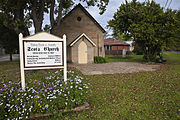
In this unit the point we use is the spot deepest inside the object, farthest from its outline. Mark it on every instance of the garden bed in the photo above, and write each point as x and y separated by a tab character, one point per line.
45	93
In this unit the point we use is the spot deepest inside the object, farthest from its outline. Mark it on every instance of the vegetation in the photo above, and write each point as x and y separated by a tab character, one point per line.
8	38
21	14
145	95
169	56
173	58
176	44
129	58
48	94
148	24
98	59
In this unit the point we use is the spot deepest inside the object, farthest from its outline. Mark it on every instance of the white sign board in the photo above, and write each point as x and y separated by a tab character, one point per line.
42	51
43	54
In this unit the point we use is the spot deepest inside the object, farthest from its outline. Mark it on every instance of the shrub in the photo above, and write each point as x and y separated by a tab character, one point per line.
42	96
98	59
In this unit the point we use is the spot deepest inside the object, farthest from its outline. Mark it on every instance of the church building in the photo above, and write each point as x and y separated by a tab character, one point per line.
84	36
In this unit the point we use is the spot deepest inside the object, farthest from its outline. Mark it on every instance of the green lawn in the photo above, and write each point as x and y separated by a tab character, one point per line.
118	58
169	56
145	95
4	55
172	57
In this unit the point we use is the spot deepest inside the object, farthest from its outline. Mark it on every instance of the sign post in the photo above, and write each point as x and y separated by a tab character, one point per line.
21	61
42	51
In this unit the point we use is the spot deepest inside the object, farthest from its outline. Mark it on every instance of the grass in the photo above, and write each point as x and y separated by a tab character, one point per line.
172	57
169	56
4	55
118	58
145	95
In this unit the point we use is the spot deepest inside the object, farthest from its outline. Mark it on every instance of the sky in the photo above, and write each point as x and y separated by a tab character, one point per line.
112	8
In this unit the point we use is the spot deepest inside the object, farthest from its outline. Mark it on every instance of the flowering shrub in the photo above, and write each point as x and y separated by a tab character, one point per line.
48	95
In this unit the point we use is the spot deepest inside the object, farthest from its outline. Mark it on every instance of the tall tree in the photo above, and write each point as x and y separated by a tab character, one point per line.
176	45
37	9
14	15
20	13
8	38
57	9
146	23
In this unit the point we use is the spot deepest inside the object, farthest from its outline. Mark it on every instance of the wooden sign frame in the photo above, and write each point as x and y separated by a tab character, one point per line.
41	39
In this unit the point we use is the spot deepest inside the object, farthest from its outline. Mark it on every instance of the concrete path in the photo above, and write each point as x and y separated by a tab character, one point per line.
6	58
113	68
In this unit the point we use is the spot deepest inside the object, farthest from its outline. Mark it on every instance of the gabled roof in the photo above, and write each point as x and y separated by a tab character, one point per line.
42	35
87	13
79	37
112	41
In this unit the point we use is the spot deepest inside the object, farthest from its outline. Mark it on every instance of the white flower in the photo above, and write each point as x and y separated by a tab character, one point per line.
20	117
53	97
46	106
8	105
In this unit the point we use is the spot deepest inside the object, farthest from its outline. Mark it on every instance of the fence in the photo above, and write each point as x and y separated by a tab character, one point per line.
115	52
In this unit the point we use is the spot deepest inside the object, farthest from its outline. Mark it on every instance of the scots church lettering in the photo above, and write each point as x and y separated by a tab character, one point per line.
33	49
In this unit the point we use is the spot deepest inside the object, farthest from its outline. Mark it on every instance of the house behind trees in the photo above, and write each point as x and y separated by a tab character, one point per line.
115	47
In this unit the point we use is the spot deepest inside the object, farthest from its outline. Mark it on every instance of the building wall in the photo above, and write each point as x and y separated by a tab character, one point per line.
116	50
117	47
120	48
73	28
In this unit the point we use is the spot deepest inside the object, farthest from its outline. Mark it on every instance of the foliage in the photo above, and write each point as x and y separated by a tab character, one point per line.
47	28
122	37
14	15
150	27
20	14
137	50
48	95
98	59
8	38
176	43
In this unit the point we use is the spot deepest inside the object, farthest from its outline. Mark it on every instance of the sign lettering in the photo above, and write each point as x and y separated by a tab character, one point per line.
43	54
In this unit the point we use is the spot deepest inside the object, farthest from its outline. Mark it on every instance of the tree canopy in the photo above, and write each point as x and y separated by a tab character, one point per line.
8	38
21	14
147	23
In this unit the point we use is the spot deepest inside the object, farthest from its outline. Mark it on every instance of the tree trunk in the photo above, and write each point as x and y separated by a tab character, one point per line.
55	24
19	25
10	56
52	14
37	14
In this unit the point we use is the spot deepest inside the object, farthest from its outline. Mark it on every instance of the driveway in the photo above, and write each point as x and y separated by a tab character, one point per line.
114	67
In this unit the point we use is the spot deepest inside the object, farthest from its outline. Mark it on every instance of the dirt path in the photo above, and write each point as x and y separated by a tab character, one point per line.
113	68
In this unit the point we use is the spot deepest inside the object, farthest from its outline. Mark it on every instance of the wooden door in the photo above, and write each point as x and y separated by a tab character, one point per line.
82	53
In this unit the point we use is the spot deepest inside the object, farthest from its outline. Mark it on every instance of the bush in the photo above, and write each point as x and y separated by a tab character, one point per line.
42	96
98	59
